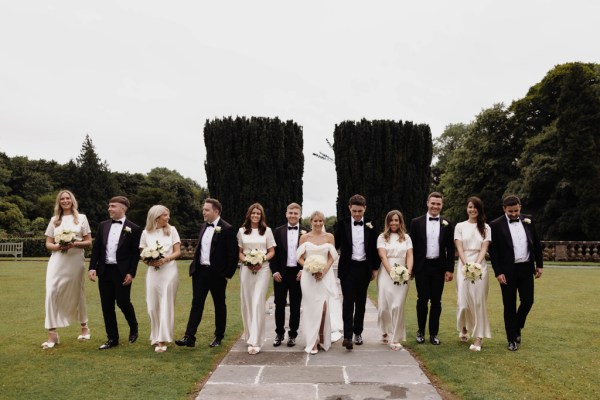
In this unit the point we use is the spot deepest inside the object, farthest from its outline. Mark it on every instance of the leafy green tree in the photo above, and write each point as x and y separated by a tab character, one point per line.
388	162
94	184
482	165
254	160
11	218
560	164
444	147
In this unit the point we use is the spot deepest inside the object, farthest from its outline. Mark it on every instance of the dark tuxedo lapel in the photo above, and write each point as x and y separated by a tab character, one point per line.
423	233
213	242
105	232
527	233
284	240
123	233
443	233
199	245
348	229
506	232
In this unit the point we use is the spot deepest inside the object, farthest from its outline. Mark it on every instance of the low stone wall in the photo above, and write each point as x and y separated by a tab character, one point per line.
571	251
553	250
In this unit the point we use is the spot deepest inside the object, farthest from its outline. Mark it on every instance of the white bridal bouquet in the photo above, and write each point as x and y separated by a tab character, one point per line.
472	271
399	274
253	259
153	253
314	264
64	238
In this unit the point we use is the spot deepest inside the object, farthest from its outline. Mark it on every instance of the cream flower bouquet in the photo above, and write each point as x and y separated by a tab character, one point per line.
472	271
399	274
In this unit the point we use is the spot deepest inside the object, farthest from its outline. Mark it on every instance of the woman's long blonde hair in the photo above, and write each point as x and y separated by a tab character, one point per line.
58	211
153	214
401	231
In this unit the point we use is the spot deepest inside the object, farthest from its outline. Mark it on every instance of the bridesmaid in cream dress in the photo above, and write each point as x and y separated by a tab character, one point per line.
394	247
319	290
255	279
65	290
162	277
472	239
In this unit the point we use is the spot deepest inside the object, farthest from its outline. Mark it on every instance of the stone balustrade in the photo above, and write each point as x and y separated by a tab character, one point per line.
553	250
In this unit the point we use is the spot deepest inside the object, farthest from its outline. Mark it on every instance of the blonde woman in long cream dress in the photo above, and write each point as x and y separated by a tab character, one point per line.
65	289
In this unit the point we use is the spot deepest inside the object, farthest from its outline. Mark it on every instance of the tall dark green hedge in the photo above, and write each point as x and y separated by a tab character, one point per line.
388	162
254	160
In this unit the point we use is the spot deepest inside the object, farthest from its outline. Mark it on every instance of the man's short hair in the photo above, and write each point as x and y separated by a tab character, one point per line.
511	200
216	204
357	200
293	206
435	194
120	199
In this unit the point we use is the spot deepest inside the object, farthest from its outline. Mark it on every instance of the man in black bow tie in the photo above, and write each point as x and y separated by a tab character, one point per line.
357	266
517	258
215	261
433	249
286	275
114	260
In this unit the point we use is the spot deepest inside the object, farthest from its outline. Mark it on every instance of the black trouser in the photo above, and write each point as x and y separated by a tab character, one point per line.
354	288
281	289
205	280
430	285
519	278
110	285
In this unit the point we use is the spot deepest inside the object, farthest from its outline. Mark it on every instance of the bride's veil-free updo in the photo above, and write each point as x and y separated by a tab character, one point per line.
317	214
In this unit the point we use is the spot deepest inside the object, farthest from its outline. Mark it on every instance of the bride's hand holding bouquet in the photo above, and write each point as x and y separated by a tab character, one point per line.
315	265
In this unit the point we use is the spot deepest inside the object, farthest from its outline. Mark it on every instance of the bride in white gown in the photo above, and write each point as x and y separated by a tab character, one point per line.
321	303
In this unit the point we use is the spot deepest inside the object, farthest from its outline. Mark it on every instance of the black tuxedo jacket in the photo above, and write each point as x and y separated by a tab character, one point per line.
343	241
418	234
223	249
502	252
128	251
279	262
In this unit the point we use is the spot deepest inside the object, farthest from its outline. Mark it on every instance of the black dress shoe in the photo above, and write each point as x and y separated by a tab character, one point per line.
420	337
215	343
291	342
277	341
513	346
358	340
133	336
347	343
110	343
434	340
186	341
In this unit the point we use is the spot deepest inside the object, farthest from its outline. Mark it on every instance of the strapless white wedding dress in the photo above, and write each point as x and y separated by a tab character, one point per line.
317	293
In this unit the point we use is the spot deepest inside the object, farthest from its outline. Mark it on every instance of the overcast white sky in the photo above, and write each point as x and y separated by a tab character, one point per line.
142	77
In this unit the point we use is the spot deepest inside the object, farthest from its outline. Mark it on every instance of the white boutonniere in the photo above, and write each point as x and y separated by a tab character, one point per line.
302	232
444	222
217	229
526	220
369	225
127	229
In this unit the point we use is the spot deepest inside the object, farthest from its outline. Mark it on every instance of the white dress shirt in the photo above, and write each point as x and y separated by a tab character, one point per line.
206	242
433	237
113	241
292	245
358	241
519	239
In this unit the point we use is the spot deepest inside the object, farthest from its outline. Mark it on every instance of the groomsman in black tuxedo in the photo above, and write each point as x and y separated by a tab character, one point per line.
215	261
358	264
286	275
114	260
516	256
433	248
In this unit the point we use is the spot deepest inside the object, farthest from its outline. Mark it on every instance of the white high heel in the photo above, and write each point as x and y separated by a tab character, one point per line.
160	349
49	344
87	336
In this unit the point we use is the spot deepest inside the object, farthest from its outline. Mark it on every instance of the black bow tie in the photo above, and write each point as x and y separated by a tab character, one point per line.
358	223
114	221
292	227
210	224
434	218
514	220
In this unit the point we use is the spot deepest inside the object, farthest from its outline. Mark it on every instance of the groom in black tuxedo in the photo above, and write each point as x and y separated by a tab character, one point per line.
286	275
433	248
358	264
215	261
516	256
114	260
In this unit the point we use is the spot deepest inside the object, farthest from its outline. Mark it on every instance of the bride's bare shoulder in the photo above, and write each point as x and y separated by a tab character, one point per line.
330	238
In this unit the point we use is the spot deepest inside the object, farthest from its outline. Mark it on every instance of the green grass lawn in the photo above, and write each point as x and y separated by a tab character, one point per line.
559	355
78	370
558	358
